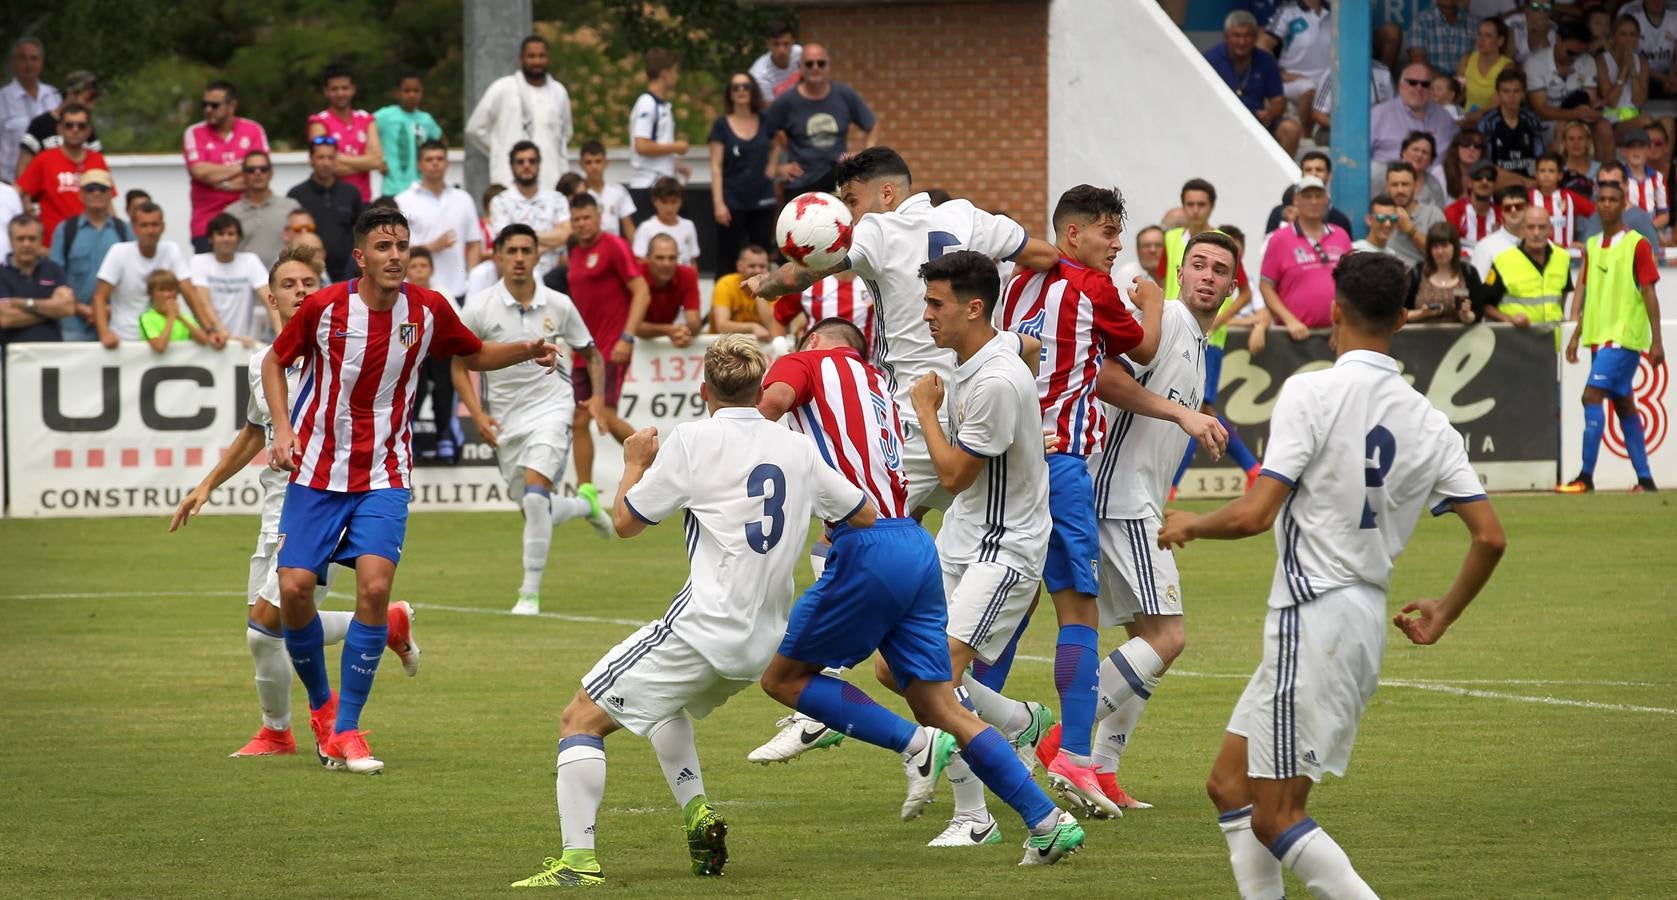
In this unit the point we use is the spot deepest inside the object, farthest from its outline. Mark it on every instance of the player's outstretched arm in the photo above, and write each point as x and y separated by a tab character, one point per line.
243	449
1253	513
1116	386
499	355
790	278
1431	618
639	451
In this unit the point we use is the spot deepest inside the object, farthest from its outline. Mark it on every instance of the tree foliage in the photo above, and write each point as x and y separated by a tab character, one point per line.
153	57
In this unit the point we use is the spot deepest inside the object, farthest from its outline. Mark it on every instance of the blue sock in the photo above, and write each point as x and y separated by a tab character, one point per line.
307	649
1237	448
1187	457
1636	444
992	759
363	648
1076	673
994	675
843	707
1595	422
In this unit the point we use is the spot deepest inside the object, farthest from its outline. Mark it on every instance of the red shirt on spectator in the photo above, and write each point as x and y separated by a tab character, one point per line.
1472	226
53	181
201	143
352	141
681	292
599	283
1565	208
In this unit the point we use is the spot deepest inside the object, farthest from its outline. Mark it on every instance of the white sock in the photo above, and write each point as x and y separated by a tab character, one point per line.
565	509
678	755
1317	860
273	677
922	736
335	624
1113	733
538	534
580	786
1143	667
1008	715
1257	873
969	791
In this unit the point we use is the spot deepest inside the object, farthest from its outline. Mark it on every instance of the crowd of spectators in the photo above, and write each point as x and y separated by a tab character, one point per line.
95	272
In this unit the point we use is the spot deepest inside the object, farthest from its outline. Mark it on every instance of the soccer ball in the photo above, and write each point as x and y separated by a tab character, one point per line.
814	229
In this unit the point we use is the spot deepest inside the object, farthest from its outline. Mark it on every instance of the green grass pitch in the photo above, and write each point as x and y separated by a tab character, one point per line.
1531	754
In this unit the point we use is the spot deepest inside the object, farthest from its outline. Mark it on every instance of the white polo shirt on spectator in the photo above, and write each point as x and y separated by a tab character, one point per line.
430	216
651	117
686	237
234	288
125	270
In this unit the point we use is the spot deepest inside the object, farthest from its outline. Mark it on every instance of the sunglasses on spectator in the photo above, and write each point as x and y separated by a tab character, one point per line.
74	126
1540	6
96	188
1484	176
527	161
815	64
1386	218
320	139
258	170
213	104
1513	207
1417	82
740	86
306	226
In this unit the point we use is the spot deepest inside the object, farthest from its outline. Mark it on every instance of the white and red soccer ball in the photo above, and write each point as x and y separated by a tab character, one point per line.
814	229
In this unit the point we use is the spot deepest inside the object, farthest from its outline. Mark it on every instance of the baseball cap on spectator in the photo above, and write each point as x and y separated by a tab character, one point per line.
1634	136
97	176
80	80
1310	182
1483	170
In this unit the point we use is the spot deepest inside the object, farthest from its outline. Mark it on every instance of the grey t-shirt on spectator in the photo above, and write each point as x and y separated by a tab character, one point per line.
1424	215
817	131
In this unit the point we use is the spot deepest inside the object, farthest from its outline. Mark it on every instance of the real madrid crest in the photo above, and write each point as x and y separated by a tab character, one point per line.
1171	598
593	259
408	333
547	324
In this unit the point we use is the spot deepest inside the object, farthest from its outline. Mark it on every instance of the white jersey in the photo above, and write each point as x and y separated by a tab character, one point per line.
1132	474
747	518
1362	451
887	250
991	412
256	413
527	395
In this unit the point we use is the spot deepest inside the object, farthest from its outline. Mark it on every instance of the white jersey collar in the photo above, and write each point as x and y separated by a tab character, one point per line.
993	347
1367	357
536	302
737	412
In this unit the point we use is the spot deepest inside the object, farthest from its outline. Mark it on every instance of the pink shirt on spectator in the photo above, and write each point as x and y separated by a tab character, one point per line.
202	144
1302	271
352	141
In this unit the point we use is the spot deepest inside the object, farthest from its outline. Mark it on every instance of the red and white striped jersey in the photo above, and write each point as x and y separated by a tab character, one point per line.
828	298
1077	314
360	370
843	405
1565	208
1647	190
1470	224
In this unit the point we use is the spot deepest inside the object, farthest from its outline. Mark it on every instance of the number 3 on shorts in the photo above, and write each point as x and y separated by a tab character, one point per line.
774	506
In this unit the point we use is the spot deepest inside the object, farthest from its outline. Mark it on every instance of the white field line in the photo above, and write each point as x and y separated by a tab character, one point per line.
1447	686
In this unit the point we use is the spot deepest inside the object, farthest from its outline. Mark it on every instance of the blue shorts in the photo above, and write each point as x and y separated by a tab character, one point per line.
1213	372
882	590
1613	370
1074	544
318	528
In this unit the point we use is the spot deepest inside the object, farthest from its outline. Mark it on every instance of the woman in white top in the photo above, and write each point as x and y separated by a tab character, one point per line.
1622	75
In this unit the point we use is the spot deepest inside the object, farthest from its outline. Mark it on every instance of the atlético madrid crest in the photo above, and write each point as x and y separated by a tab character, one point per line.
408	333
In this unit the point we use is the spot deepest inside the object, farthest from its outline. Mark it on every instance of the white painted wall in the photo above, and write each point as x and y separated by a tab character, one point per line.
1132	103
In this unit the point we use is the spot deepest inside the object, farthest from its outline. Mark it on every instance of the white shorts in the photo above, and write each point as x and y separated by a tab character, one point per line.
1135	575
987	601
546	452
1321	664
924	489
263	582
1295	89
652	676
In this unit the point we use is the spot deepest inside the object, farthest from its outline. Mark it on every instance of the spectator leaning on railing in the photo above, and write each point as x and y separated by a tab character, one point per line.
1297	274
1443	287
121	295
731	308
34	297
1529	281
673	310
79	246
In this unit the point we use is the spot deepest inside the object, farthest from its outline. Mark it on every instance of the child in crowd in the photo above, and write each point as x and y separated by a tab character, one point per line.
617	209
420	267
666	199
167	320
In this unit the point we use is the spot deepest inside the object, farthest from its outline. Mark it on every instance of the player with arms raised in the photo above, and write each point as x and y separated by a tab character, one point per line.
295	275
746	515
1355	453
531	428
348	448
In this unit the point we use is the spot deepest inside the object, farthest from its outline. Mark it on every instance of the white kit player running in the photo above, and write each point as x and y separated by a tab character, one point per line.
1157	410
1355	454
746	516
295	275
984	440
528	421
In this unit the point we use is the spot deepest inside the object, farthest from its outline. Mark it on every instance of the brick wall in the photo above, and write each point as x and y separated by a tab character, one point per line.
961	90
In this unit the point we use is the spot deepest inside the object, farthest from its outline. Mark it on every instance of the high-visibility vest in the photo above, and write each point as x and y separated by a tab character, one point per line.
1535	293
1614	311
1176	246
